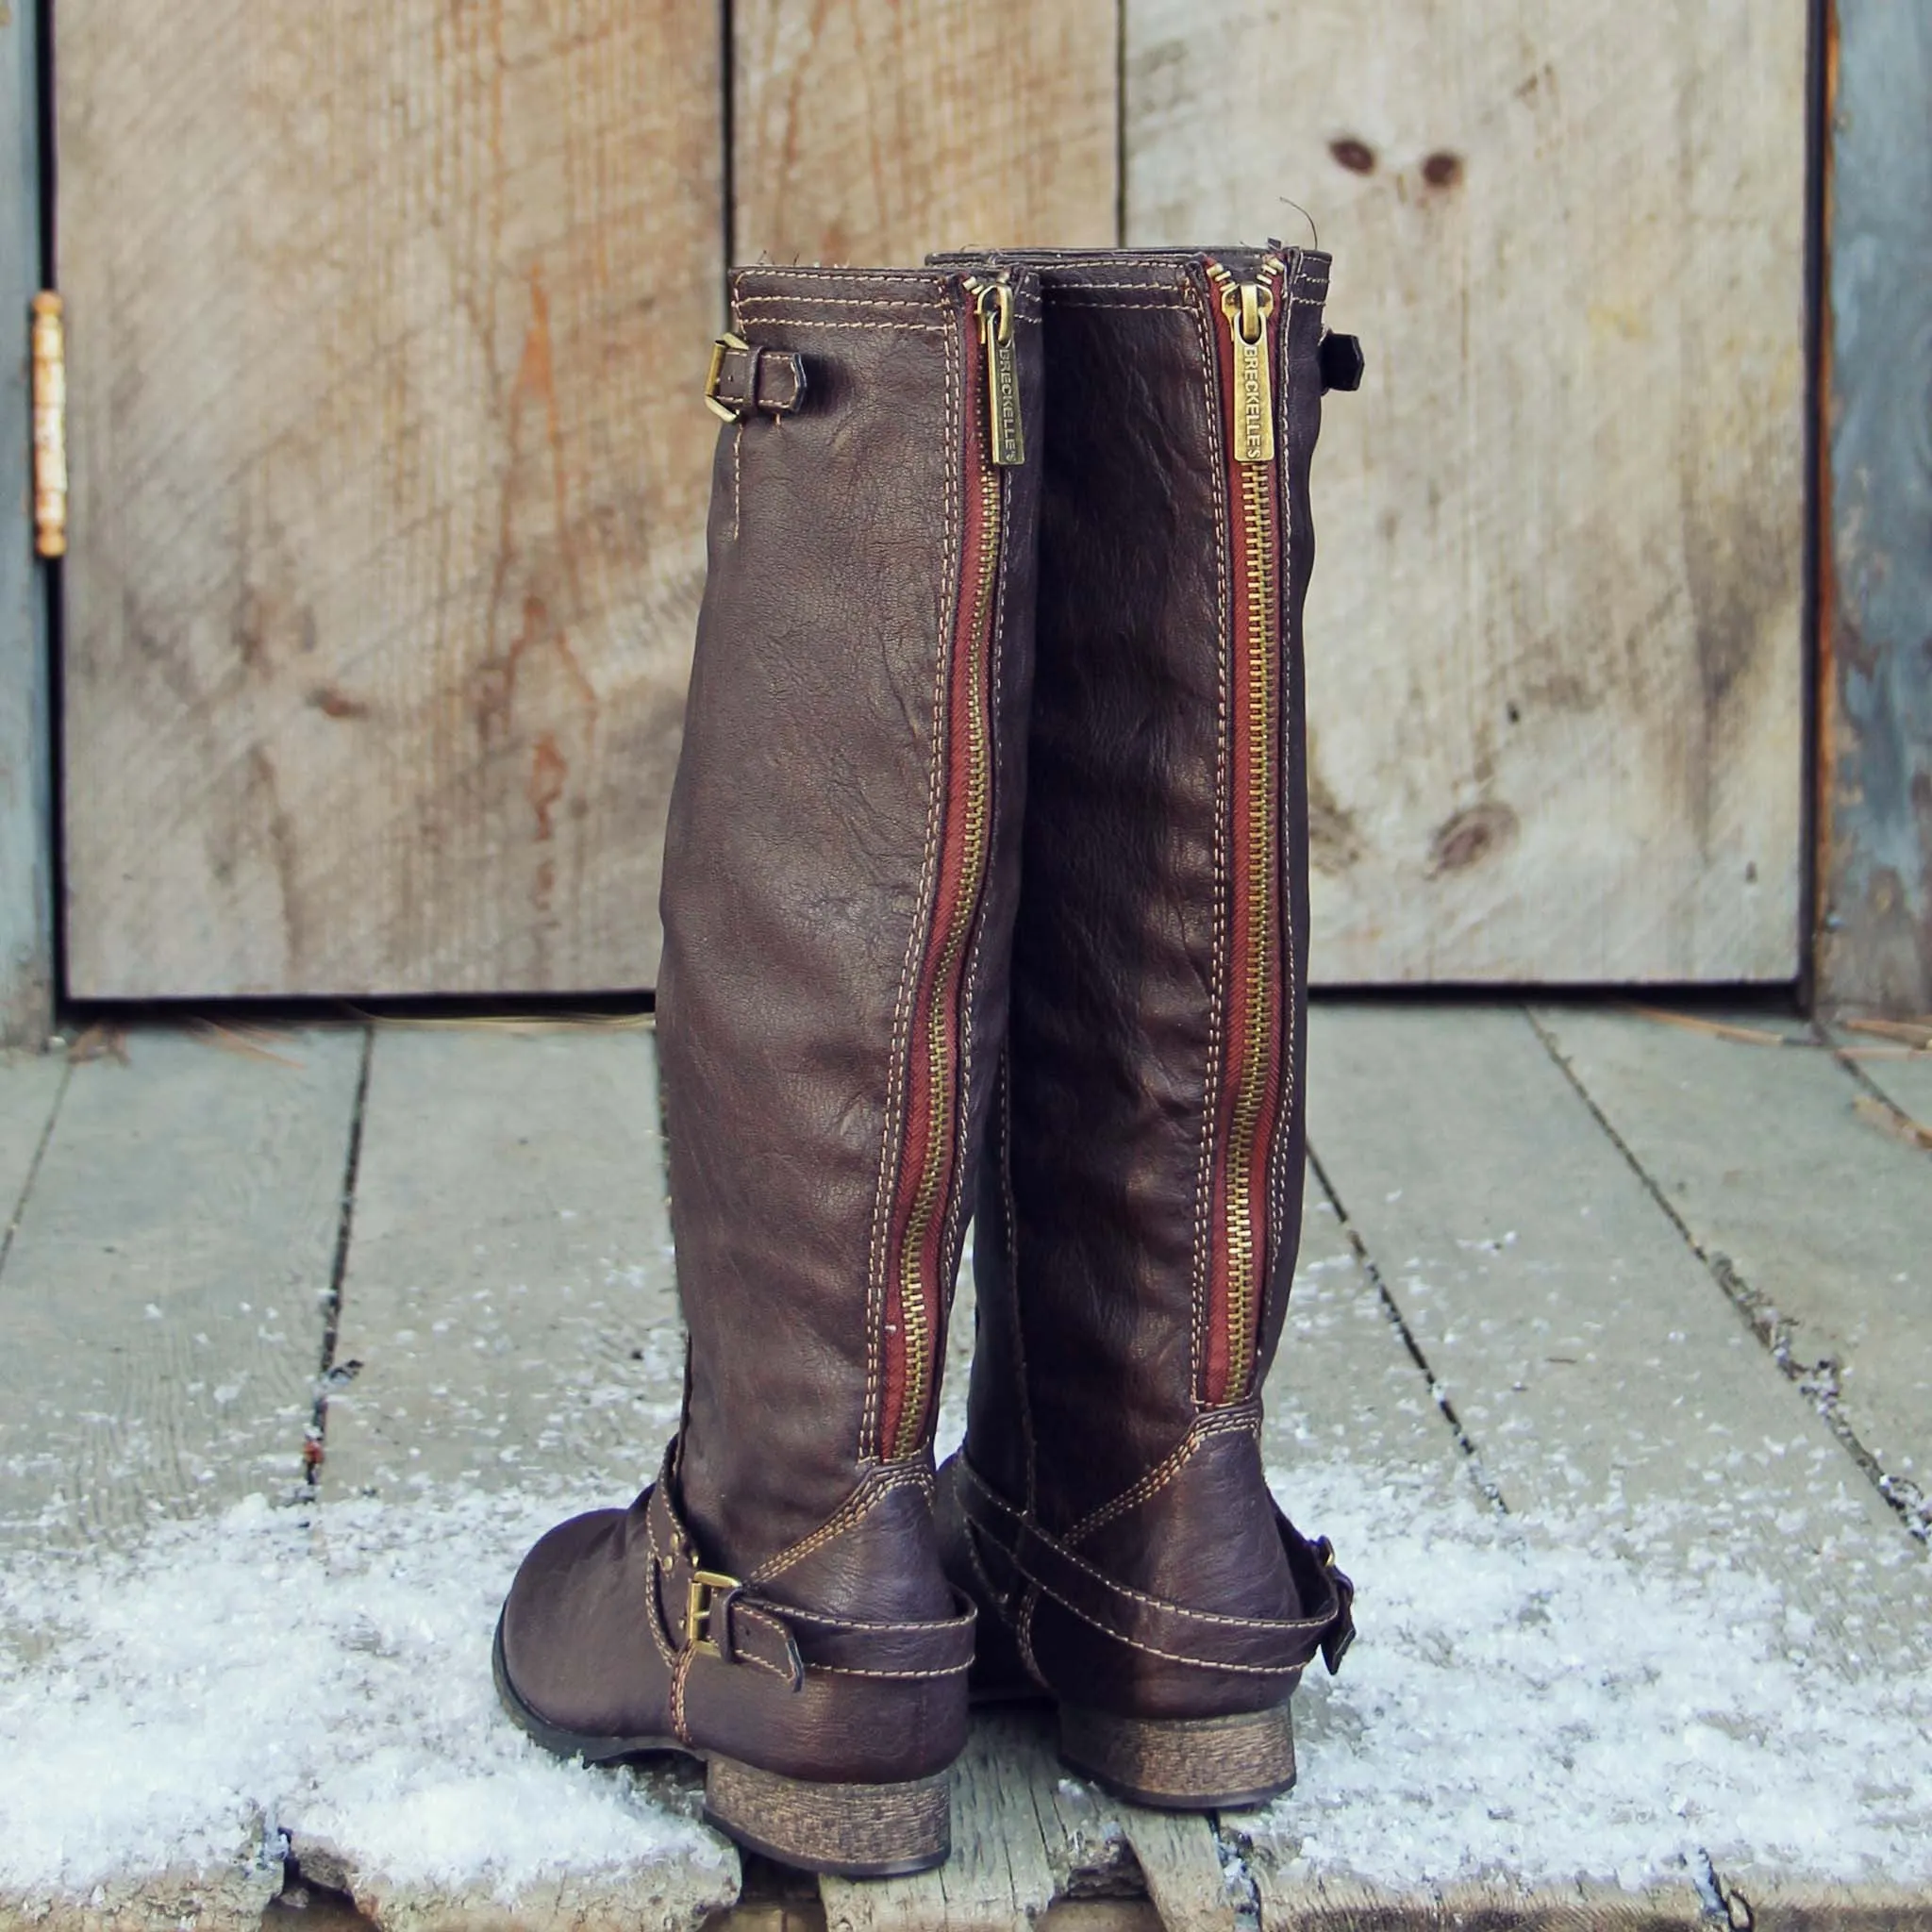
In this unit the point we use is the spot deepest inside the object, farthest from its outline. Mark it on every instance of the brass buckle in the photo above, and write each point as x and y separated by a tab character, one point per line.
724	411
707	1585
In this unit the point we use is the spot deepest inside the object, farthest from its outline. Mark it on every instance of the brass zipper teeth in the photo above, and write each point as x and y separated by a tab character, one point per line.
942	1018
1247	309
1243	1236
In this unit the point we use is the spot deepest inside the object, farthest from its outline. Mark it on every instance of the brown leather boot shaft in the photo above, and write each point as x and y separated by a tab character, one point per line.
1139	1219
840	875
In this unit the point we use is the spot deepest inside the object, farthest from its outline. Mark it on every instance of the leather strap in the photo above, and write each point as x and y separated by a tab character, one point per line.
751	377
1262	1645
1341	362
738	1625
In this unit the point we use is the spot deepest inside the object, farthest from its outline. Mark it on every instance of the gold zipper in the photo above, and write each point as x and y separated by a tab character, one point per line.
1005	446
1247	307
1005	437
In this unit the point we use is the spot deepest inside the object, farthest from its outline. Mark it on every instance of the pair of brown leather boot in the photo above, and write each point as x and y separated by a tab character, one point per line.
984	893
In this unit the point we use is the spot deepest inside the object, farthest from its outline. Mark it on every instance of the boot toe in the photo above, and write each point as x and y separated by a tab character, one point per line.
575	1647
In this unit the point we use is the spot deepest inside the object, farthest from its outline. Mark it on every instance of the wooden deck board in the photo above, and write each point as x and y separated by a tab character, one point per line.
162	1310
1907	1083
509	1295
510	1298
1599	1368
1822	1226
30	1087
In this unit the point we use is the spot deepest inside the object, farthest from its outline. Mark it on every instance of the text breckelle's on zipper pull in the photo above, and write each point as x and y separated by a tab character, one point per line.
1005	434
1247	306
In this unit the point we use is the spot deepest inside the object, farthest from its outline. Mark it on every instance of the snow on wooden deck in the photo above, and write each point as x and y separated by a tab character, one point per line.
1606	1370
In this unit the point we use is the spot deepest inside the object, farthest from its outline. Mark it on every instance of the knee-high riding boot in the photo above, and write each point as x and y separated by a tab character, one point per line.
1139	1213
839	881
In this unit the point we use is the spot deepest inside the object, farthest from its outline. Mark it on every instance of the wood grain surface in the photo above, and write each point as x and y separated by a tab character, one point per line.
1875	943
1822	1224
1596	1364
1555	679
875	130
386	325
164	1302
509	1310
26	831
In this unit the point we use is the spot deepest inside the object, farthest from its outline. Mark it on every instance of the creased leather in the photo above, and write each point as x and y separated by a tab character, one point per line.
797	883
1085	1419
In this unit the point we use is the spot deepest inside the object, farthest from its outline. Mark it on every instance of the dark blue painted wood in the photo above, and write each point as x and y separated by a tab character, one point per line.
1875	893
26	740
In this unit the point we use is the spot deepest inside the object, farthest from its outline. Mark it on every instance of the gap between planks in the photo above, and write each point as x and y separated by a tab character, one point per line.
1803	1094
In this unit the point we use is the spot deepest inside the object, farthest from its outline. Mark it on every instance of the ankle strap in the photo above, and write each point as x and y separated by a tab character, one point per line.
1258	1646
697	1607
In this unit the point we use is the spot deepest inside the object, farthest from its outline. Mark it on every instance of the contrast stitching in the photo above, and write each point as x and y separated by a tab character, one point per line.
994	1594
852	1511
858	1627
655	1618
1176	307
1023	1633
737	475
922	328
903	1676
751	1657
1175	1656
910	278
1155	1603
753	1614
969	990
680	1676
894	1139
1277	1179
934	307
1202	1259
1220	1422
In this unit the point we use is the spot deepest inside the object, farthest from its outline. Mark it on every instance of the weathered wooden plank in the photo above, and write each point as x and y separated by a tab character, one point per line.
386	322
1340	1904
1344	1390
999	1878
162	1309
1875	896
1774	1907
1603	1373
1907	1083
509	1312
668	1895
26	825
1555	666
872	130
30	1087
1820	1228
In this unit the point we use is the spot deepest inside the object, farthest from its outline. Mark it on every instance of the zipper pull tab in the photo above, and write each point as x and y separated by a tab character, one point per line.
1005	437
1247	306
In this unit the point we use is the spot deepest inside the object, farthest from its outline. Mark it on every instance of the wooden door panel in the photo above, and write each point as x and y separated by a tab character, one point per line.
876	130
386	323
1555	668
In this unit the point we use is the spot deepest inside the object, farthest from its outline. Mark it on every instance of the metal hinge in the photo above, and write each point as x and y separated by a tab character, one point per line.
50	426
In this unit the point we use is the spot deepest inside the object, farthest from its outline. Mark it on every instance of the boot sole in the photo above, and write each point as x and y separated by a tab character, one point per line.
848	1830
1183	1764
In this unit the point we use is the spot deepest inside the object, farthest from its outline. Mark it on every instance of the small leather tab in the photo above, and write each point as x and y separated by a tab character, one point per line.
751	377
1341	362
938	1649
1318	1581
